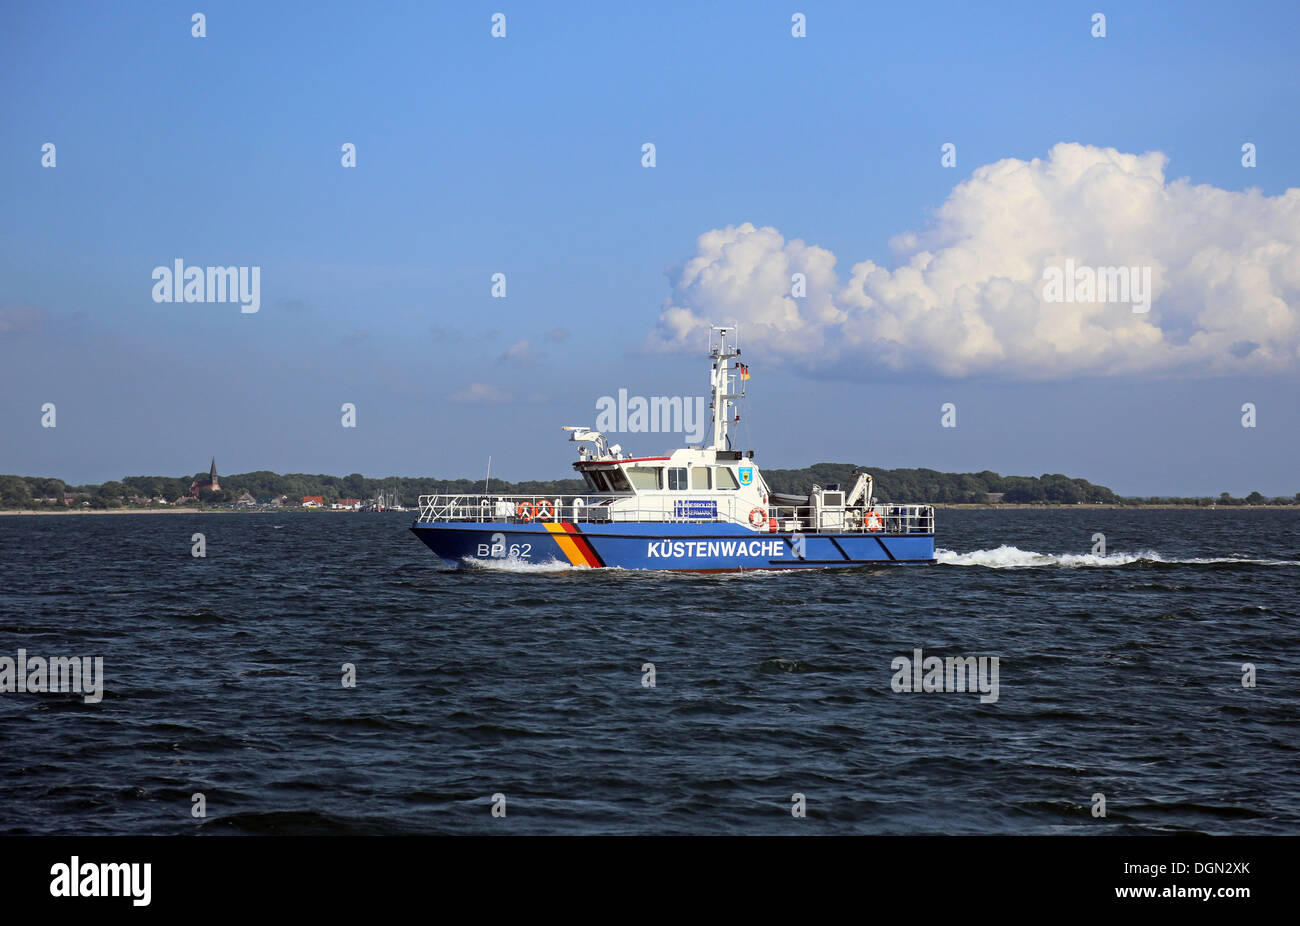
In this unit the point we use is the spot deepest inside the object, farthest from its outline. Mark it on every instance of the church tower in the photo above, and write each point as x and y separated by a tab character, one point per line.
216	486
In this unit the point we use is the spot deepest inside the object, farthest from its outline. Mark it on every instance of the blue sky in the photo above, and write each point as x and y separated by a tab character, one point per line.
522	156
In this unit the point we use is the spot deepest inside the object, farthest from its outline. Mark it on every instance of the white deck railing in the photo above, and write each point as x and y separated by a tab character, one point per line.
678	509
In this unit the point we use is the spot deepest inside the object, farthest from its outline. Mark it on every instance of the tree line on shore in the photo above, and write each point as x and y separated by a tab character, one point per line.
916	486
930	487
263	487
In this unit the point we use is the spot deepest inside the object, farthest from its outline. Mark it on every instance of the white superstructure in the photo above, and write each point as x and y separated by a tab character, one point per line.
711	483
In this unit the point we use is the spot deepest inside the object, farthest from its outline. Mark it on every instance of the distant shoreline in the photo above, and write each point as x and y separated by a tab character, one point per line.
27	512
942	507
1111	507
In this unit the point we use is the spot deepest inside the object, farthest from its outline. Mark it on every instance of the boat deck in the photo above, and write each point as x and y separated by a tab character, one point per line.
666	509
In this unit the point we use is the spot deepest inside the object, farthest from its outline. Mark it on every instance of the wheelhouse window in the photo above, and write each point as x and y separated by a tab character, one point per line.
677	478
592	481
617	481
645	478
700	477
726	478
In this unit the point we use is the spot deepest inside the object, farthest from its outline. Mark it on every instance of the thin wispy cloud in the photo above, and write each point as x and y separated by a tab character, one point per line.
517	353
21	319
480	394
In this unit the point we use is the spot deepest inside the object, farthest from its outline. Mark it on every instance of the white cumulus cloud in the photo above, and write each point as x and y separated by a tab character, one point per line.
967	294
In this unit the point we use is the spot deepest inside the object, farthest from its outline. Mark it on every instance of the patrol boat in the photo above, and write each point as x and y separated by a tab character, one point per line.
698	509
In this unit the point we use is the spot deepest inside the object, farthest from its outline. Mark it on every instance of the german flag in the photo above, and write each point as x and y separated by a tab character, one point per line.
576	547
744	370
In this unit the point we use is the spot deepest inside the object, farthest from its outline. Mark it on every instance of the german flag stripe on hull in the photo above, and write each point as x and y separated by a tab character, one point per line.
573	545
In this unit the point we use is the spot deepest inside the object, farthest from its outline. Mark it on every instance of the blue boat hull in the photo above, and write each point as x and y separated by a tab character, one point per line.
689	547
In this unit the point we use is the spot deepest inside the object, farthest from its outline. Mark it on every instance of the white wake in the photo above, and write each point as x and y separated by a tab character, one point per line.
1006	557
514	564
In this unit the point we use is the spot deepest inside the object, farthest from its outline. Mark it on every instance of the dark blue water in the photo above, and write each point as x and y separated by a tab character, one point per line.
1119	675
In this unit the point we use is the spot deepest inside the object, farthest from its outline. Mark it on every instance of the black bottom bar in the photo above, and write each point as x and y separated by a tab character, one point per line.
934	877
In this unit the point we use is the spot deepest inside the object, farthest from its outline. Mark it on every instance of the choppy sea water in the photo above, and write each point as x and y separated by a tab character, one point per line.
1118	674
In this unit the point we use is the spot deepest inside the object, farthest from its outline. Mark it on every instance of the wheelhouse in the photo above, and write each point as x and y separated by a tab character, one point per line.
672	474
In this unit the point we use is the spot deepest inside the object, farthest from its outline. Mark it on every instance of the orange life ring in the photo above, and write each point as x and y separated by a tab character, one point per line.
526	511
549	511
758	517
872	521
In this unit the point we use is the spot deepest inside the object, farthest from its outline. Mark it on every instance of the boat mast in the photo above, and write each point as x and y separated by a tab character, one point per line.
720	381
